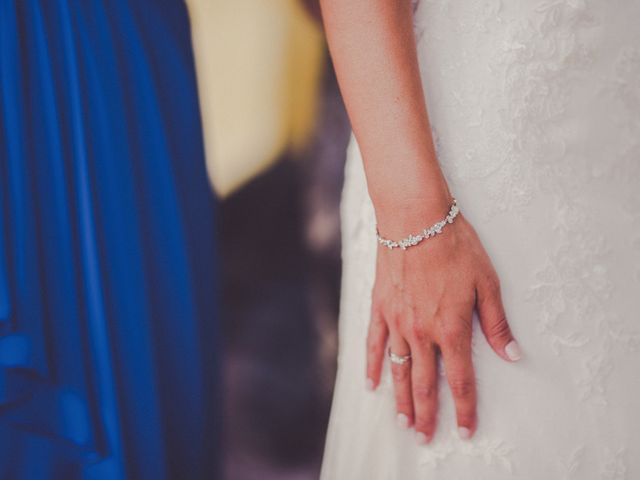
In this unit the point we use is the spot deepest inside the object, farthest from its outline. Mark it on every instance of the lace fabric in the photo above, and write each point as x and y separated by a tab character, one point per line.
535	113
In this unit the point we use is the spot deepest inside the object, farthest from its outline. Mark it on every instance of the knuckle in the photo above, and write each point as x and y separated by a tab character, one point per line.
376	312
424	392
495	283
376	307
376	323
450	337
402	318
492	285
500	329
462	388
394	319
418	330
454	336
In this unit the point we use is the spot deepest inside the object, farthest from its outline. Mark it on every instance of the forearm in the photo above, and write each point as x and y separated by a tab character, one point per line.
373	49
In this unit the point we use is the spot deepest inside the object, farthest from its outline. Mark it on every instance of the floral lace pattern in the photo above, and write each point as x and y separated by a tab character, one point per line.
535	113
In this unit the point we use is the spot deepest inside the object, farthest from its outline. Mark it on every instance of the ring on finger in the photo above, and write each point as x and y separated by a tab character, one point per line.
398	359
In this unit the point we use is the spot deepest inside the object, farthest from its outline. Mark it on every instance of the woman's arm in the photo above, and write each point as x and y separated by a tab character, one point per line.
373	51
423	297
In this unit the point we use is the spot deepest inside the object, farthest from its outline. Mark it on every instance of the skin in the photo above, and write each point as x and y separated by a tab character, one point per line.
423	297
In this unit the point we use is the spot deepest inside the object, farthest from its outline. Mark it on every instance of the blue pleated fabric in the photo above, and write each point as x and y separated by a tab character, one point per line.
108	366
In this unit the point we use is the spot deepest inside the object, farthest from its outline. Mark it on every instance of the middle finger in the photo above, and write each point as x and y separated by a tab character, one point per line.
424	380
456	355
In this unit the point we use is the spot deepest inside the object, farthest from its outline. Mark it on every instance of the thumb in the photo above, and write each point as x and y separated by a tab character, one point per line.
493	320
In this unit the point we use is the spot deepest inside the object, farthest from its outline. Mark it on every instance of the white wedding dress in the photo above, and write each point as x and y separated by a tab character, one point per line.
535	112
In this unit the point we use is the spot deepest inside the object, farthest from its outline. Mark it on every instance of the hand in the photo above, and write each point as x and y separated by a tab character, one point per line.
422	303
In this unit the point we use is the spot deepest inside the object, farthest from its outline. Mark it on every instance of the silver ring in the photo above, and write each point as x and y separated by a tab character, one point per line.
398	359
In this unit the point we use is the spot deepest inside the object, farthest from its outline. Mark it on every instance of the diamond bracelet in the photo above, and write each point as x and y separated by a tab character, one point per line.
432	231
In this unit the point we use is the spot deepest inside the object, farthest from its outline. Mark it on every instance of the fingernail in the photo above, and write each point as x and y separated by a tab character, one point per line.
422	439
403	420
513	350
370	384
464	433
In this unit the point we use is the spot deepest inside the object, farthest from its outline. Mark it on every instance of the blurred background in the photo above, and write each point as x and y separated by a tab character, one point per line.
275	135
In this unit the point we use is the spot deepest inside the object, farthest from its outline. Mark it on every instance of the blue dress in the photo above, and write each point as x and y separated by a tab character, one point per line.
107	289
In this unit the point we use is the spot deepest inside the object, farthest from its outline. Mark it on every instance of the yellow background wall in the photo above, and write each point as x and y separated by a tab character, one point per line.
258	64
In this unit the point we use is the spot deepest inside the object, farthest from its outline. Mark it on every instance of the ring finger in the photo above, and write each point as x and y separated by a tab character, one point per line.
401	374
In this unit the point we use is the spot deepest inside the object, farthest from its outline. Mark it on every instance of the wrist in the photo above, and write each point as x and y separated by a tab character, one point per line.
401	215
415	238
